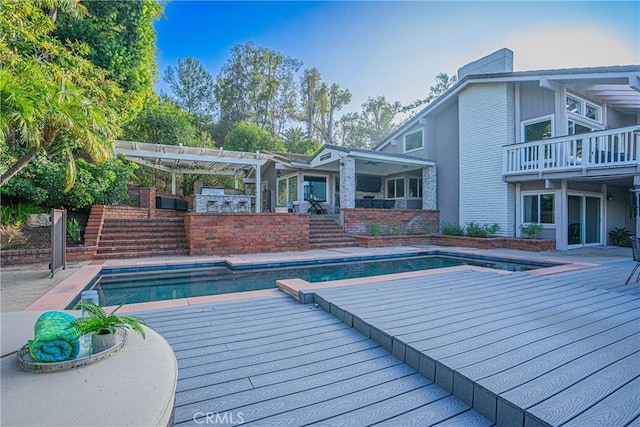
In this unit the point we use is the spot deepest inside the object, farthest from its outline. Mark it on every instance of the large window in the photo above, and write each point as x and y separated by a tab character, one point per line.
413	141
315	187
583	108
395	188
287	190
537	129
538	208
415	187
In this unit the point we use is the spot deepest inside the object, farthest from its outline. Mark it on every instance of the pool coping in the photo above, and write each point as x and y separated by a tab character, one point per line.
63	294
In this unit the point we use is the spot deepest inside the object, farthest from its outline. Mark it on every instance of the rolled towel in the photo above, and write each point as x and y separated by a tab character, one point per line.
53	340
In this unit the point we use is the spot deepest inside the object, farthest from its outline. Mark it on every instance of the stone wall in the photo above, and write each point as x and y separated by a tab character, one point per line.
409	221
244	233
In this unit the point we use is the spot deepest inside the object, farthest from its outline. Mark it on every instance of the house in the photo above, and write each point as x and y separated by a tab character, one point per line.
556	147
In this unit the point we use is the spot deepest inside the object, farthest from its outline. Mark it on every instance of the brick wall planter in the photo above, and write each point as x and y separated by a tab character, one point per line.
244	233
396	240
40	256
531	245
356	220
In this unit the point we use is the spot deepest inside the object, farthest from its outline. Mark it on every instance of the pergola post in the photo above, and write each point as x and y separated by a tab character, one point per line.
258	189
347	185
173	183
429	188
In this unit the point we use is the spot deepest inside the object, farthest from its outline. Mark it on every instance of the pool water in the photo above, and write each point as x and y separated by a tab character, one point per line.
144	285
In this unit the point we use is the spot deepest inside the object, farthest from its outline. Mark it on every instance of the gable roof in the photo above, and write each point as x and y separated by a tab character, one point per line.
626	75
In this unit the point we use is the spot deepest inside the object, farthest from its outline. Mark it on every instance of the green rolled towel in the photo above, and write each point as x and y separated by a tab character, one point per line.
53	340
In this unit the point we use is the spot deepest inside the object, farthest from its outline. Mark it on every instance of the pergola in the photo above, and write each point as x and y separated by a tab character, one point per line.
178	159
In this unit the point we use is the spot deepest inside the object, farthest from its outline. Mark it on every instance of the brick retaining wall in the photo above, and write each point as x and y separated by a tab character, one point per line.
42	256
244	233
410	221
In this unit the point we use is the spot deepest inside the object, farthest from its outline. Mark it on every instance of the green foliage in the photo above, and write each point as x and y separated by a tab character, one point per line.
41	180
257	85
451	229
374	229
99	322
531	230
163	122
73	230
392	229
121	40
473	229
17	214
52	98
619	236
192	87
250	138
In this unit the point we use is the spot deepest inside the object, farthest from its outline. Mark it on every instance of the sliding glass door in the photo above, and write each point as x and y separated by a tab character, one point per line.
585	220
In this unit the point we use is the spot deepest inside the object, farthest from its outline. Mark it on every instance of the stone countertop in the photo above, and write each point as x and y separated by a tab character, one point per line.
135	386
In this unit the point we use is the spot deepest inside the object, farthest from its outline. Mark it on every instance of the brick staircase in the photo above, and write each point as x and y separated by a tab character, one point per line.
324	232
137	238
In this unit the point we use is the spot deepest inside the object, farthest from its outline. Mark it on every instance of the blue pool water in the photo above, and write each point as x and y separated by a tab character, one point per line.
134	285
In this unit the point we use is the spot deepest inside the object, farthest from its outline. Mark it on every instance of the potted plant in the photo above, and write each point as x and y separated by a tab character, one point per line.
104	326
620	236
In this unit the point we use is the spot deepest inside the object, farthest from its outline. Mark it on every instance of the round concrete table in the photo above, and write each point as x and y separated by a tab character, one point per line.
135	387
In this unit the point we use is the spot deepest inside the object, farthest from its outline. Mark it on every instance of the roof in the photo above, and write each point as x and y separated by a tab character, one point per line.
190	160
624	87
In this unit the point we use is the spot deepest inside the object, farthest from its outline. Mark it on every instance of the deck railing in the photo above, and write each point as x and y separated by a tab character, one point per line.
606	148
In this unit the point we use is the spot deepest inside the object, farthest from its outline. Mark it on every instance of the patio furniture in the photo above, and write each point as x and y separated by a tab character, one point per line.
316	206
635	247
377	203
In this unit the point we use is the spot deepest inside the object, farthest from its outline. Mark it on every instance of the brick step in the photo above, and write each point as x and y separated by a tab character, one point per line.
326	229
145	240
333	240
128	228
137	234
143	223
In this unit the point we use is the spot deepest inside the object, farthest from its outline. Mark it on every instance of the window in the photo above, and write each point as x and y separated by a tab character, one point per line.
538	208
537	129
415	187
395	188
413	141
287	190
582	108
315	187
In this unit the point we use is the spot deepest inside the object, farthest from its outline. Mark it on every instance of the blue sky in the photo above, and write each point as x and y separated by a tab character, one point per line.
397	48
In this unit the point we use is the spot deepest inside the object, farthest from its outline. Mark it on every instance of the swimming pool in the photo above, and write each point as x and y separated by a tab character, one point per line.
145	284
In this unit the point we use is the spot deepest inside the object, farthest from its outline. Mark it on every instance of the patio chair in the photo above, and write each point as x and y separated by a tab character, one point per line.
635	247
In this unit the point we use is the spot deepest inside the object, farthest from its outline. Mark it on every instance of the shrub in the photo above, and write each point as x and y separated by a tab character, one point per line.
451	229
474	229
374	229
619	236
531	230
17	214
391	229
492	229
73	230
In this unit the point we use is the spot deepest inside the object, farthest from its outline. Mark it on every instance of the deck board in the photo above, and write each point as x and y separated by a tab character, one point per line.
507	344
278	362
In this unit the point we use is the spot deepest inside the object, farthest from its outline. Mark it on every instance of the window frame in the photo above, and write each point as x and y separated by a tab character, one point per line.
582	115
326	184
538	195
286	179
404	141
395	188
419	187
536	120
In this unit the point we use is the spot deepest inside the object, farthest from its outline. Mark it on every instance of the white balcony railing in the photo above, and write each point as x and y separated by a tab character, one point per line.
601	149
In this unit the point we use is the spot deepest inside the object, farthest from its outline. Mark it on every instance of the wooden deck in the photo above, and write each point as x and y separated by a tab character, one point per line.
466	348
521	349
273	361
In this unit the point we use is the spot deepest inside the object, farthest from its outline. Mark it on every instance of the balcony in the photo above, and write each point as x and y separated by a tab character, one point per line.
611	152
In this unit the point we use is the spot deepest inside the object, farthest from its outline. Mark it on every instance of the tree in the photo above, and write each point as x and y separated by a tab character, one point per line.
295	142
121	38
257	85
163	122
309	88
192	87
377	118
443	83
332	99
250	138
350	132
